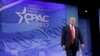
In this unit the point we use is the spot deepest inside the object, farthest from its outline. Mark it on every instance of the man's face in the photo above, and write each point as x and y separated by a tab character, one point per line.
72	21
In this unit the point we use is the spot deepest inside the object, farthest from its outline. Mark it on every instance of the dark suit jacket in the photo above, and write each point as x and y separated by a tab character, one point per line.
66	37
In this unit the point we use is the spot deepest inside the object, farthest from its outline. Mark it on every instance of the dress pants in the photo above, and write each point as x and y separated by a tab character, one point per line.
72	50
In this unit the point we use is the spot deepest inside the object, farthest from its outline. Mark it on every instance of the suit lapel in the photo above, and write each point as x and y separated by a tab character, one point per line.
68	29
75	31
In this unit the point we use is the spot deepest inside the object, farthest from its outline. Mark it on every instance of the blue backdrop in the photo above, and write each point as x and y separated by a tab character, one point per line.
33	28
84	25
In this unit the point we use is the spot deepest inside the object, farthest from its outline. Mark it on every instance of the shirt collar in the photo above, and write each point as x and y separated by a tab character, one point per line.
71	25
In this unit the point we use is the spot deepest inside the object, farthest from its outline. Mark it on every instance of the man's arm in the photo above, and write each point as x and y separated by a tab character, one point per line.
81	38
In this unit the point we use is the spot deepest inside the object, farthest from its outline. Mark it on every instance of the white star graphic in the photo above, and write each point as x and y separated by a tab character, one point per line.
21	15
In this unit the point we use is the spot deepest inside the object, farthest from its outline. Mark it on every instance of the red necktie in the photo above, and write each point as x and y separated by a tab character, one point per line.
72	33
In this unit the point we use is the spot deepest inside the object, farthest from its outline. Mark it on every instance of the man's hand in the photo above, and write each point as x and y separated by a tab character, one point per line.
83	45
63	46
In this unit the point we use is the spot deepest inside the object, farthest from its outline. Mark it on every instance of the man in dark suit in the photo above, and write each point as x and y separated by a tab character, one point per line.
71	36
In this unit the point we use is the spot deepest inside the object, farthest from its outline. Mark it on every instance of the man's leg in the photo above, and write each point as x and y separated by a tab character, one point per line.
69	52
73	50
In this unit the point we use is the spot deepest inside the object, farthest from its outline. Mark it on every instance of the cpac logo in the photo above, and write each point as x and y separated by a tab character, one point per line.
27	17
